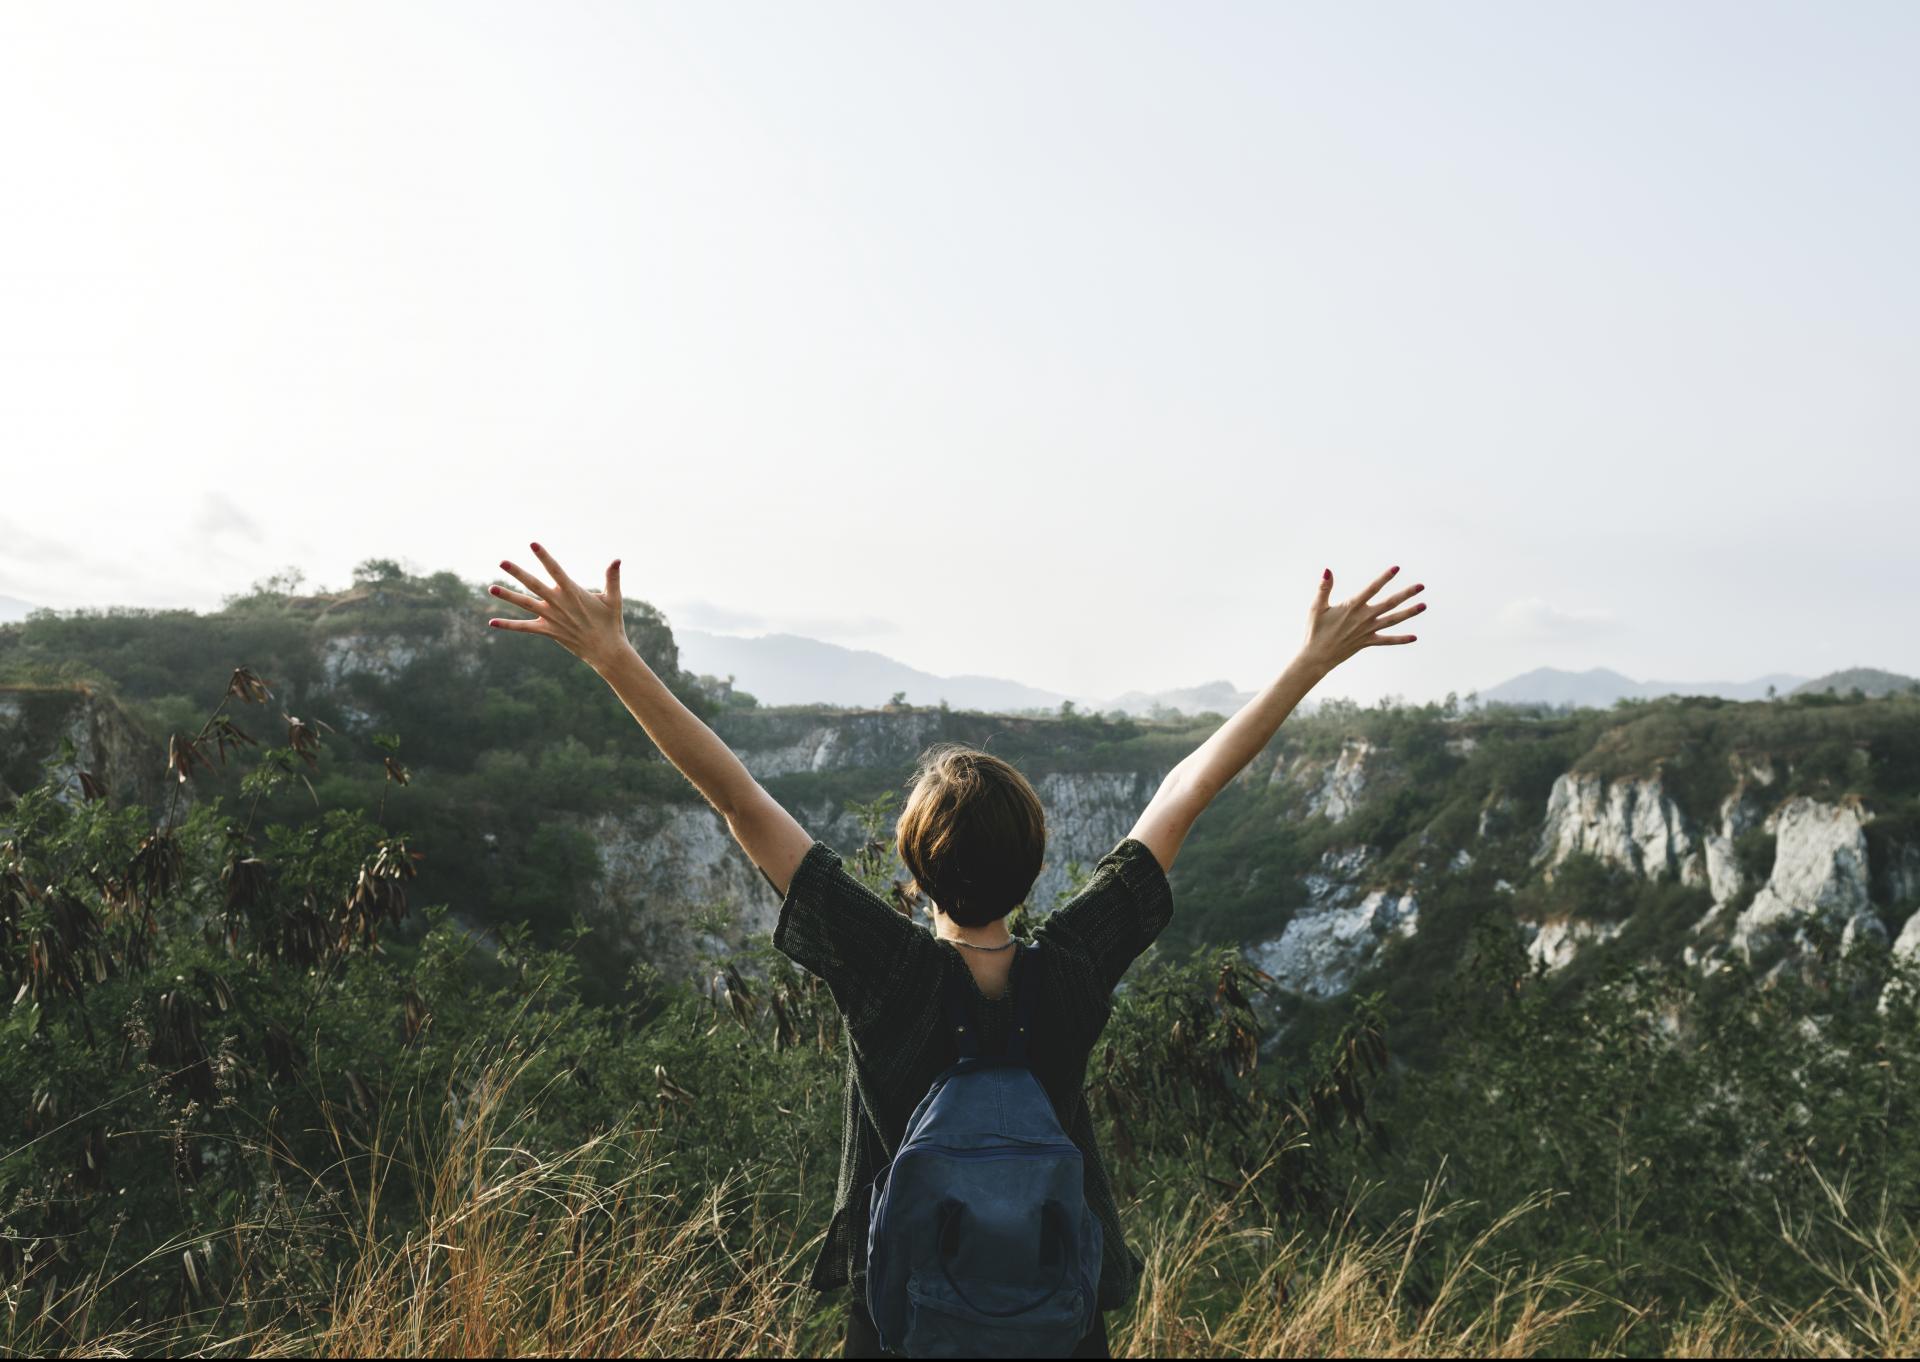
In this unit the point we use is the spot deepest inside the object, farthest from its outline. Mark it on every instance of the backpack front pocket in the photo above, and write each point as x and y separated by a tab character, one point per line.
992	1319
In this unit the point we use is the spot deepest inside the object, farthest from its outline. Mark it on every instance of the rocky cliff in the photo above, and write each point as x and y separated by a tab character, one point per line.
54	732
1356	852
676	885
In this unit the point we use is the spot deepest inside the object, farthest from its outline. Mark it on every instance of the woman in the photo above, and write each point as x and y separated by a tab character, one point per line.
972	834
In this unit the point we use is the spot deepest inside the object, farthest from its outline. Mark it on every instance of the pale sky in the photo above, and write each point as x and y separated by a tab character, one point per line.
1062	342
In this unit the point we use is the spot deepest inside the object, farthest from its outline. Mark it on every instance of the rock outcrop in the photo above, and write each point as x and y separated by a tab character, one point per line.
1340	928
1555	943
784	744
38	721
1906	946
453	641
1331	789
668	874
675	885
1630	823
1819	873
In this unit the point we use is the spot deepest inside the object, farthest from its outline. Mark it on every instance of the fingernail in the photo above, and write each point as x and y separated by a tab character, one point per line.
1421	606
1394	568
1326	574
503	562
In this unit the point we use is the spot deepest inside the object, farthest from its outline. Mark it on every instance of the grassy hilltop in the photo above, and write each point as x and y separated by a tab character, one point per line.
327	1029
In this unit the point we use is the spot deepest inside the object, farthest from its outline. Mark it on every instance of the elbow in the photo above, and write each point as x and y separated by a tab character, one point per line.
1188	786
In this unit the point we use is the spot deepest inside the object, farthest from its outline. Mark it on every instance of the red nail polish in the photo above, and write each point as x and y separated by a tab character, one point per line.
1394	568
1421	606
1326	574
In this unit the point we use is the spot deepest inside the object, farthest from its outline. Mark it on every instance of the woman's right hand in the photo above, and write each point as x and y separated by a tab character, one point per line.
1335	632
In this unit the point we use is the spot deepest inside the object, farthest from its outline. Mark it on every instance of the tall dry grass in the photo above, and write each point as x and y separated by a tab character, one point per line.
592	1253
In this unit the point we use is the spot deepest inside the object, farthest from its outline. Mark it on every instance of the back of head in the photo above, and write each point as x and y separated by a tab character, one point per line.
972	834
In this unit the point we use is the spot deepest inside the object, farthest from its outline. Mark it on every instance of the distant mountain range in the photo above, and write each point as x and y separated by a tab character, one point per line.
1600	688
787	669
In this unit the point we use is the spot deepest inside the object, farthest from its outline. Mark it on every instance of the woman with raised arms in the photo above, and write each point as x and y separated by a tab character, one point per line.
972	834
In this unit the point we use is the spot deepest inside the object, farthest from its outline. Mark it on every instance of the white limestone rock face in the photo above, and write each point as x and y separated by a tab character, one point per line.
1088	812
1906	953
1739	814
1556	943
782	745
1339	929
1630	823
1345	784
36	720
661	868
1906	946
1321	951
1819	871
1336	787
1496	818
455	641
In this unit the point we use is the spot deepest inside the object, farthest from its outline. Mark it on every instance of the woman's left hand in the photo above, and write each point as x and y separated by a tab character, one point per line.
585	623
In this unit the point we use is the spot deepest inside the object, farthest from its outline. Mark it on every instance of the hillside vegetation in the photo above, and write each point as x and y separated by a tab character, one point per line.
322	1035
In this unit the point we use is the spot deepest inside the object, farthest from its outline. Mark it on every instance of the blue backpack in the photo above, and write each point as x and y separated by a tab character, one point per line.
980	1241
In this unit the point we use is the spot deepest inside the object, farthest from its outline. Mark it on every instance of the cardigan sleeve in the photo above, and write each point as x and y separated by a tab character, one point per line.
866	952
1125	904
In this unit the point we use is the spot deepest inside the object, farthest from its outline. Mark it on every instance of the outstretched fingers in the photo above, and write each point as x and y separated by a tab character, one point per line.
532	583
1374	586
559	573
519	598
1399	598
521	626
1398	615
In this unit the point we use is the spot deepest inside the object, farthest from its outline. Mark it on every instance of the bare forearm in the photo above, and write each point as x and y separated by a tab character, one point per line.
1205	771
1209	767
676	730
1334	633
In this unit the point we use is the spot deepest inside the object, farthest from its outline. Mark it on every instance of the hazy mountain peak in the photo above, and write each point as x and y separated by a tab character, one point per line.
1601	687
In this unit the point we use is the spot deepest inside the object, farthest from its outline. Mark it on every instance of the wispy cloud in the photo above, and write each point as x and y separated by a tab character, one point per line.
1533	618
217	515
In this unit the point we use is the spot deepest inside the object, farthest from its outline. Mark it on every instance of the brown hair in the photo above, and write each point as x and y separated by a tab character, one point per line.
972	834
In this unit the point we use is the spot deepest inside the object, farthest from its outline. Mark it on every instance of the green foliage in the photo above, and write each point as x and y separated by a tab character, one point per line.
1680	1125
220	1003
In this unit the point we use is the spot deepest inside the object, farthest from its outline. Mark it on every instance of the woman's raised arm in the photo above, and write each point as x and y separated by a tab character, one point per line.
588	625
1334	634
